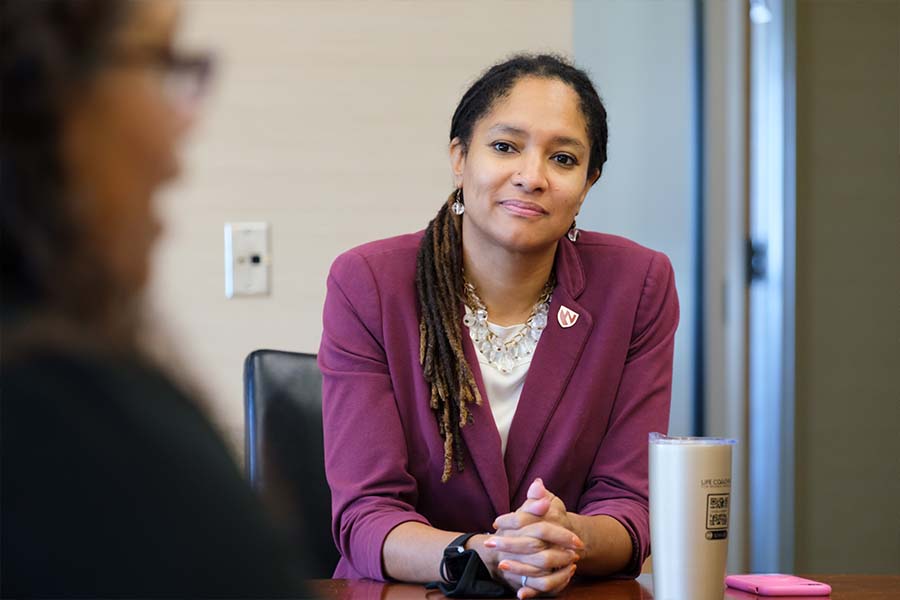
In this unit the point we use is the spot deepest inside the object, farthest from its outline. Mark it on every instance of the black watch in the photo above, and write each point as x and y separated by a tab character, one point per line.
465	574
453	550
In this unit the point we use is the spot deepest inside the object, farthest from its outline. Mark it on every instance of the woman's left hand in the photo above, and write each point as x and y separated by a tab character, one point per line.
537	542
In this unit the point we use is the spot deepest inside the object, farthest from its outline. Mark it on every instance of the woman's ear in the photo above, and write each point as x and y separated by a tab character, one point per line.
457	160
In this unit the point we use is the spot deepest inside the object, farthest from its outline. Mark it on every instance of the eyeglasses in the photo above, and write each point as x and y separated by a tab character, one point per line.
184	77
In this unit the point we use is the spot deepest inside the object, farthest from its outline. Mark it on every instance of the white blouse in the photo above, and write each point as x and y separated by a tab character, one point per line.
503	389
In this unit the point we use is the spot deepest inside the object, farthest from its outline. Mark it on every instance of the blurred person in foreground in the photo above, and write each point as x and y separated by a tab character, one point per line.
113	482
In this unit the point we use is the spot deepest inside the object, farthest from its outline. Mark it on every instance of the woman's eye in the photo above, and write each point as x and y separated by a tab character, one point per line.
565	160
502	147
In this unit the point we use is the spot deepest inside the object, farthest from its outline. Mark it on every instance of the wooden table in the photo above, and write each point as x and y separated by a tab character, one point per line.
844	587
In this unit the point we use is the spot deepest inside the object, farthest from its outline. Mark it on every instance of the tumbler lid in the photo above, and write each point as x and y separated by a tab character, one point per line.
659	438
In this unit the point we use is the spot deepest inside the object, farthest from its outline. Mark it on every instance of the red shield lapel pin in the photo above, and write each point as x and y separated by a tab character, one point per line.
566	317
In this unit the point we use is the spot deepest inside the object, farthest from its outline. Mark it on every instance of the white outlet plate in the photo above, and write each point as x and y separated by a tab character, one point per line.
247	259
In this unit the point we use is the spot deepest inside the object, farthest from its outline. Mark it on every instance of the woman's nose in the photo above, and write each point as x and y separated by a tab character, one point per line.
531	175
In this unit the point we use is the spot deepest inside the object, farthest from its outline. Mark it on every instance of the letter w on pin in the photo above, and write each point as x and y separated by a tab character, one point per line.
566	317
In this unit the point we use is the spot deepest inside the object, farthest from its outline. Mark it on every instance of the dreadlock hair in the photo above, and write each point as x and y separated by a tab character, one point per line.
439	265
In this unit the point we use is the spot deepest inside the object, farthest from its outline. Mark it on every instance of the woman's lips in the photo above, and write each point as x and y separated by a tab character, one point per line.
523	209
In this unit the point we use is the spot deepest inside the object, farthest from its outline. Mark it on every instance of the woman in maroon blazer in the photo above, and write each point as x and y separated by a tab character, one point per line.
500	371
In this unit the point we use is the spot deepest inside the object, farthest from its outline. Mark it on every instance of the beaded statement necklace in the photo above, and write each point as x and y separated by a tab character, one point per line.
503	355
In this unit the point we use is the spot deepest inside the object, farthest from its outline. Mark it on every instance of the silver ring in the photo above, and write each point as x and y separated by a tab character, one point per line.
524	580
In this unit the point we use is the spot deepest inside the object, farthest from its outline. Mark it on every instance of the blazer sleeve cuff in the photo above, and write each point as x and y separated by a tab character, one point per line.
373	540
635	521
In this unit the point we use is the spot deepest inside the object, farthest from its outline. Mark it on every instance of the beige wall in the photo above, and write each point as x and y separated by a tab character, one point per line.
329	120
848	287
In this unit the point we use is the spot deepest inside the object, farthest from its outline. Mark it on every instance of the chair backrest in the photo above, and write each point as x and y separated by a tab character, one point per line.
284	450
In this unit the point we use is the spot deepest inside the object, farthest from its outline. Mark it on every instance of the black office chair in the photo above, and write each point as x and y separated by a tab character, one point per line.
284	450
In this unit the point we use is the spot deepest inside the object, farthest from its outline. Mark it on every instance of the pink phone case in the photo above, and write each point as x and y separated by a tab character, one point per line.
776	584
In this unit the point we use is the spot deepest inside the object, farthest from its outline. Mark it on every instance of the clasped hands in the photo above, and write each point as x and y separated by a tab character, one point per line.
535	547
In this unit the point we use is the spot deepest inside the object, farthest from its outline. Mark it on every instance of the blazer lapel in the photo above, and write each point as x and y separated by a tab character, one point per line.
552	365
483	440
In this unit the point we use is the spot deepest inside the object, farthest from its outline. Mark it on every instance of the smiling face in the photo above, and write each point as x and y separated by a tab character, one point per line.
524	173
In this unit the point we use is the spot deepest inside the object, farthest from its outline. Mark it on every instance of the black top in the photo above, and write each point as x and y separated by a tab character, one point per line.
114	484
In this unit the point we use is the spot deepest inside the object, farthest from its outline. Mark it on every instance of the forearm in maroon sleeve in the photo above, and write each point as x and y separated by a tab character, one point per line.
618	484
365	449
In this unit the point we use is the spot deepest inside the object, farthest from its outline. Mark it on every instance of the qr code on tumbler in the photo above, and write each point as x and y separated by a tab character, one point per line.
717	511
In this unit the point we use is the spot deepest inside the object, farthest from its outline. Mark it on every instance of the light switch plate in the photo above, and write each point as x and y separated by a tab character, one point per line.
247	259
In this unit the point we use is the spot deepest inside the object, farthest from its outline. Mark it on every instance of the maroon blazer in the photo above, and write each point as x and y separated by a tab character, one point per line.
592	394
